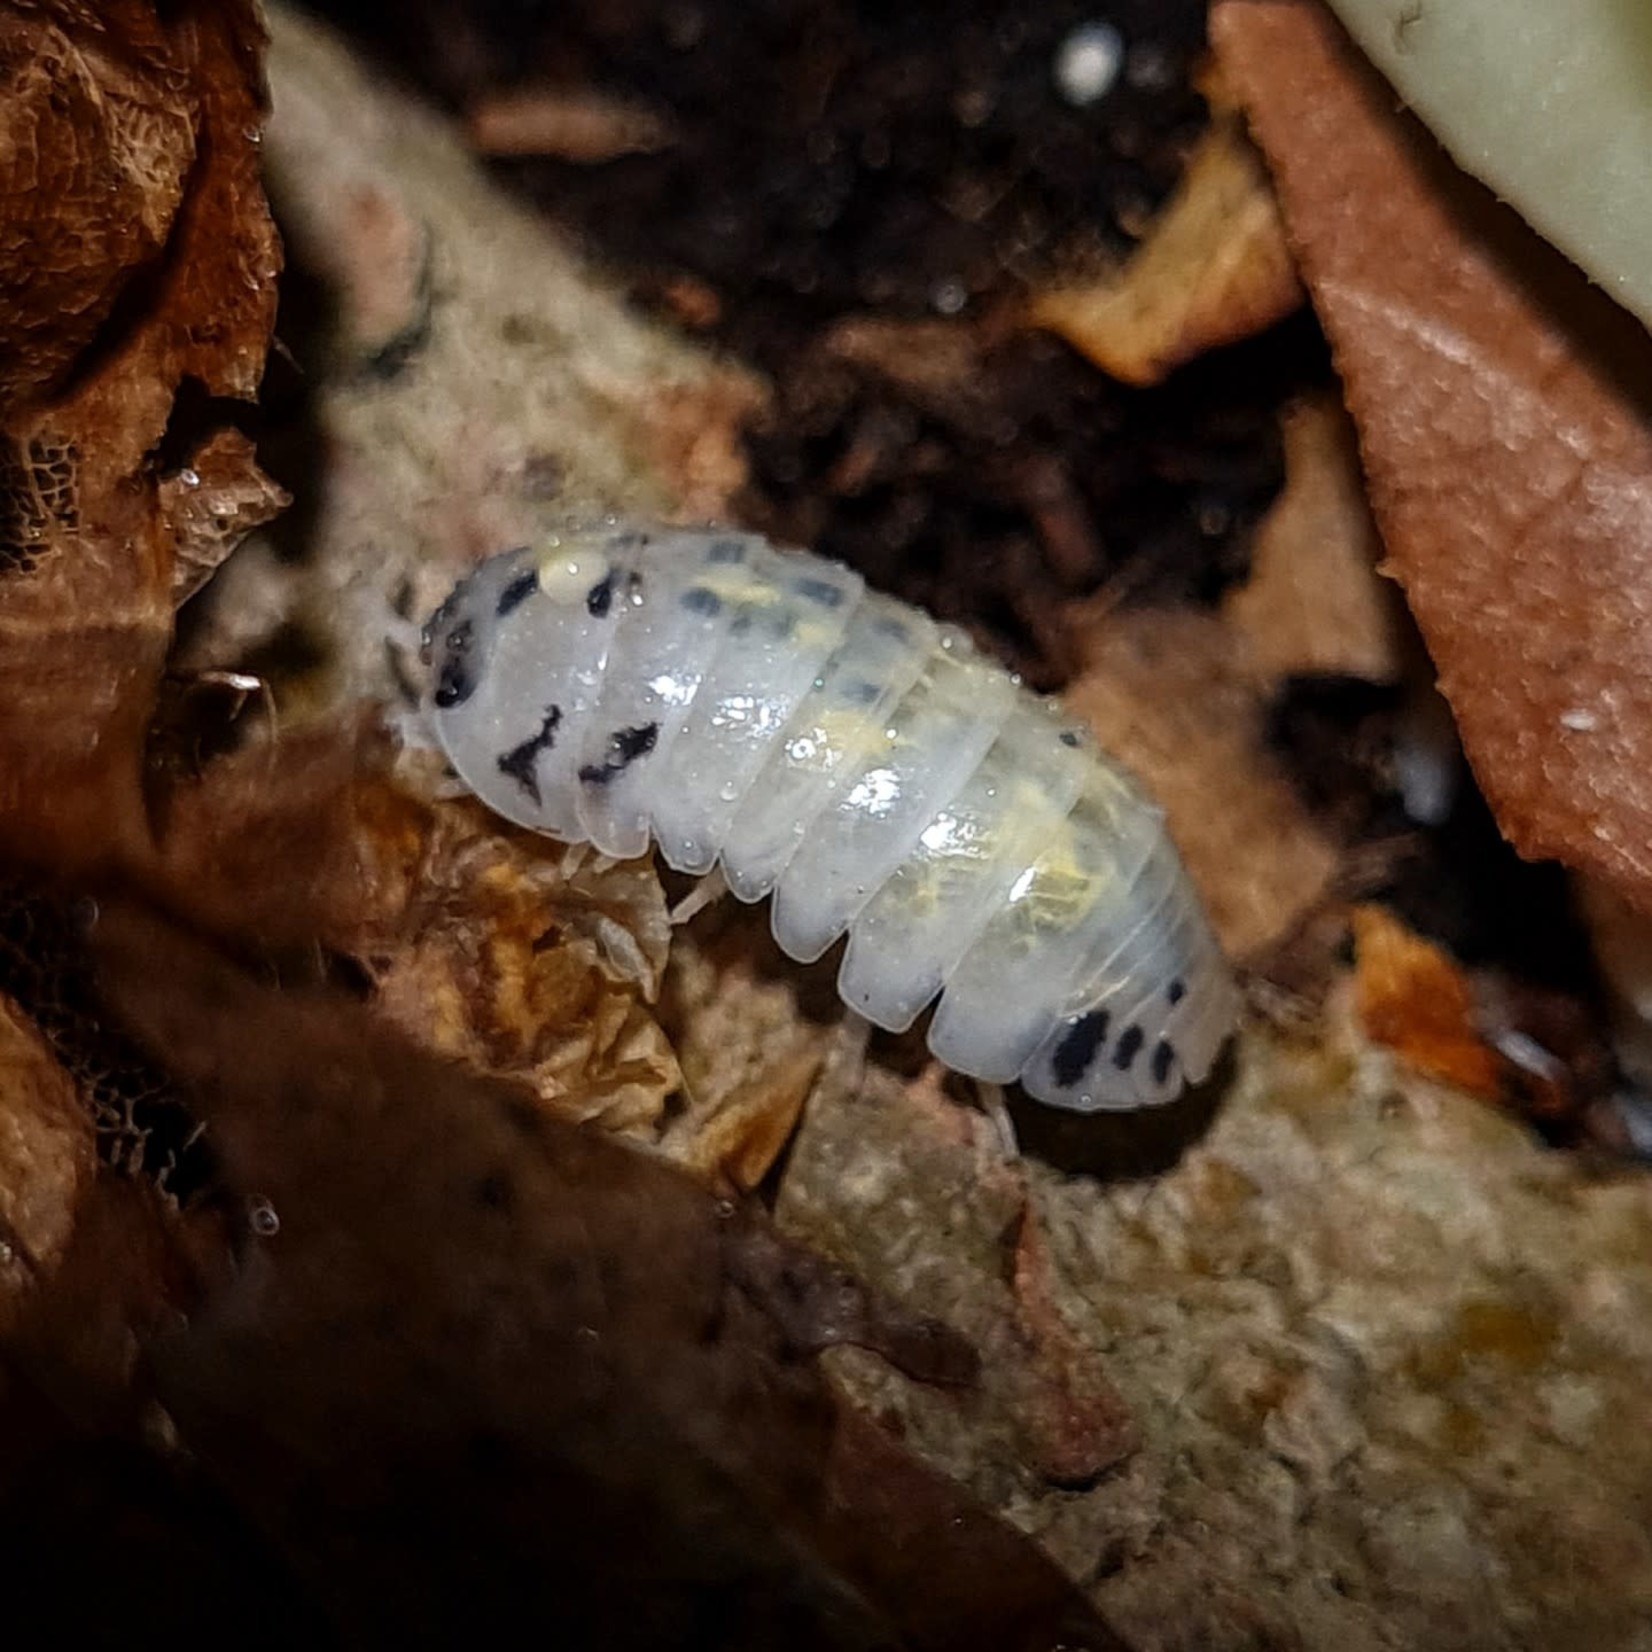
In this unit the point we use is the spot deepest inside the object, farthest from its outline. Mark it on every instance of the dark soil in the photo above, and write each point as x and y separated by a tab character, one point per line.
835	163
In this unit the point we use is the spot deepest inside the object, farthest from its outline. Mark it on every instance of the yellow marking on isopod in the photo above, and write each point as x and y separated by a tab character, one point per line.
567	575
836	737
738	586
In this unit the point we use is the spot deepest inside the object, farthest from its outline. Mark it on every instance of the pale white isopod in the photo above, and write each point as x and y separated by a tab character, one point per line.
762	711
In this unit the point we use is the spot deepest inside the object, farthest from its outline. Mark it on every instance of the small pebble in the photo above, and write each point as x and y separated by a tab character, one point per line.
1087	63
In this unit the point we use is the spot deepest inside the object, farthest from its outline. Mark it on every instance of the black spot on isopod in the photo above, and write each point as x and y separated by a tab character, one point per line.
519	761
1176	991
1077	1050
726	550
822	591
862	692
1069	737
600	598
889	626
697	599
1163	1056
1130	1043
625	746
455	679
517	592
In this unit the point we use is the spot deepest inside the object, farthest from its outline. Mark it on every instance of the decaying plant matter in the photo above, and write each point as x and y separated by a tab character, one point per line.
539	1258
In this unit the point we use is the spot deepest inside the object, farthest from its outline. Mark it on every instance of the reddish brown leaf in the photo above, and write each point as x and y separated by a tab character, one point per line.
1506	424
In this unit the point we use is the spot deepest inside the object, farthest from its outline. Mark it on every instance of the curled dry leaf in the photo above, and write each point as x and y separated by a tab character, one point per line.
89	1260
1314	601
138	255
504	959
1506	426
211	504
1213	269
564	1371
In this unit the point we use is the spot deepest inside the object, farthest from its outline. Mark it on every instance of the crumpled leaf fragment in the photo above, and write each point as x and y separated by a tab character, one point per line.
506	961
142	255
1506	425
1314	601
496	1371
1534	1050
211	504
486	943
1413	997
1213	269
750	1053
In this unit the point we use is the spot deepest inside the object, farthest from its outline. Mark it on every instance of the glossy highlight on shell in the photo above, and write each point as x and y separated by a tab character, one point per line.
864	768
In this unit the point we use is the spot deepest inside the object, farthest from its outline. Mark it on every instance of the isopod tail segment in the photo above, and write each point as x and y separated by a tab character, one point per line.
762	714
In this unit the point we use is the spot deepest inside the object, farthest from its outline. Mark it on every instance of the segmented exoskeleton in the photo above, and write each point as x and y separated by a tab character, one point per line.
763	711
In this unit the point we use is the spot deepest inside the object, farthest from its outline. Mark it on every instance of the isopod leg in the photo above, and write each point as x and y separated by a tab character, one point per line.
707	892
990	1099
854	1033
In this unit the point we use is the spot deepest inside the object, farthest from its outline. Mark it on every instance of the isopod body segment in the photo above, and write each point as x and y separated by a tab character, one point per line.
861	766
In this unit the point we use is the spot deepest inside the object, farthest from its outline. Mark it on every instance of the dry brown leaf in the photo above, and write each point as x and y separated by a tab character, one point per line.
1506	425
506	960
1213	269
129	130
211	504
1314	601
1171	694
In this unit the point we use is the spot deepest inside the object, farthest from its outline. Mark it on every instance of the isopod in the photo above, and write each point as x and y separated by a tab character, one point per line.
763	712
